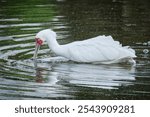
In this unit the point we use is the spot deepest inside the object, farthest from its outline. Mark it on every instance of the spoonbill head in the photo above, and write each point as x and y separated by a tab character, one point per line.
41	37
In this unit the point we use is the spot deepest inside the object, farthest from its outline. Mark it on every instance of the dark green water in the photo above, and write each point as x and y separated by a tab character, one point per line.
127	21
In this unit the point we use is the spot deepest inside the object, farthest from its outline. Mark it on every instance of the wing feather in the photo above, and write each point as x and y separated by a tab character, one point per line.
100	48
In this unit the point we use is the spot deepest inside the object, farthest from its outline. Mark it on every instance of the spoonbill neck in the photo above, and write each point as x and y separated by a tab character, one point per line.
53	44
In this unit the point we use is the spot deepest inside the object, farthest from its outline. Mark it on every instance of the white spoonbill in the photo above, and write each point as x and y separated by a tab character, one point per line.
100	49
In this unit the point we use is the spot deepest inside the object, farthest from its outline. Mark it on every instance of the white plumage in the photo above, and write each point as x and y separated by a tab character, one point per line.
100	49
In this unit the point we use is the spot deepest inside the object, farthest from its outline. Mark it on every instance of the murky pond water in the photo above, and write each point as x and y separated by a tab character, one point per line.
127	21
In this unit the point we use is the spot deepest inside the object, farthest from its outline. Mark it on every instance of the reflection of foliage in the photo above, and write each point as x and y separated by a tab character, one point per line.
125	20
29	11
14	73
22	19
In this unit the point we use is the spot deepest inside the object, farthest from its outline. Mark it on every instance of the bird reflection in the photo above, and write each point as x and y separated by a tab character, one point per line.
39	78
39	71
87	75
44	74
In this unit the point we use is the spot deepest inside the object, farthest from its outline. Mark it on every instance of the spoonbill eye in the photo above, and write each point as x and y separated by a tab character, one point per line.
39	41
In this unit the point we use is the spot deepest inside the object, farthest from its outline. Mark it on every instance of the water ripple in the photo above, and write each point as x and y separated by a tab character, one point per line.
23	78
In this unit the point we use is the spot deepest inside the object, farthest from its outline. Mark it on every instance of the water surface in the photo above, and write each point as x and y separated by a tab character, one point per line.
127	21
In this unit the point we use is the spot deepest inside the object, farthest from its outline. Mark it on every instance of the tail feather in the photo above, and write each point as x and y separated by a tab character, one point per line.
130	49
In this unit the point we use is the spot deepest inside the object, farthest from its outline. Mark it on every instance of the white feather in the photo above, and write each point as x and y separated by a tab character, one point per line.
100	49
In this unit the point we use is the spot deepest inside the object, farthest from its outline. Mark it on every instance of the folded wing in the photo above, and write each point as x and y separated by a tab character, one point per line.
98	49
